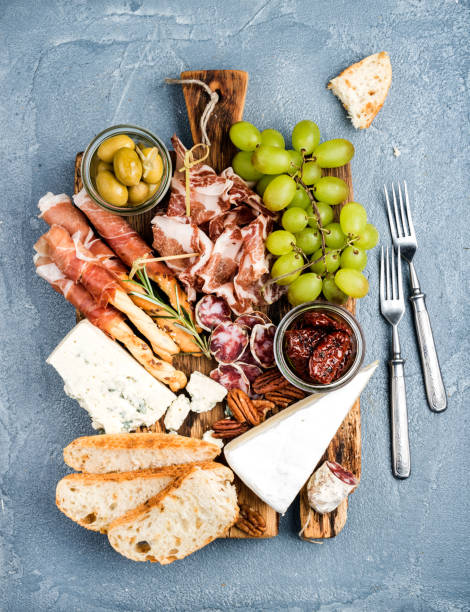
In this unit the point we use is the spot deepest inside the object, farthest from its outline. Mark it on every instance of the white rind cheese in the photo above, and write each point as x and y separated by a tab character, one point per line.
177	412
209	437
276	458
116	391
205	393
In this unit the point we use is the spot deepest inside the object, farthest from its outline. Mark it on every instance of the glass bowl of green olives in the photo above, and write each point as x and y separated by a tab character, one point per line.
126	169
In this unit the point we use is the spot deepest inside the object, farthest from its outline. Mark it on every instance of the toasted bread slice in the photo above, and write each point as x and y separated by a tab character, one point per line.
363	87
95	500
129	452
196	509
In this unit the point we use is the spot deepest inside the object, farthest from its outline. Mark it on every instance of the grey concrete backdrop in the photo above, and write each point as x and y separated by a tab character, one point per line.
68	69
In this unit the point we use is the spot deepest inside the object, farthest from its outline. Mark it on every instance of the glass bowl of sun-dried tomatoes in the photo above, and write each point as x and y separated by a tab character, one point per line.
319	346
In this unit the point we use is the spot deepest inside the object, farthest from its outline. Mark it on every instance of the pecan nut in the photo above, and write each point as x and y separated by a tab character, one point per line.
263	406
242	407
251	521
228	428
272	380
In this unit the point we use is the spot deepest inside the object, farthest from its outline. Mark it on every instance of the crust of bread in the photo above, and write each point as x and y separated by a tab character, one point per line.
350	82
145	508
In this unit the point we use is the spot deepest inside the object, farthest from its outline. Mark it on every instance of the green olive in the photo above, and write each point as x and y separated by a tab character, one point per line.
101	166
108	148
152	164
110	189
138	193
127	167
153	188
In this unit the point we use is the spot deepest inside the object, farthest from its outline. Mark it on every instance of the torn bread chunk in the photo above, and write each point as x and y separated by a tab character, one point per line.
363	87
189	514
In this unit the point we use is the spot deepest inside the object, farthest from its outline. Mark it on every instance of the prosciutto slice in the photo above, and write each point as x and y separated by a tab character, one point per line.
223	262
208	190
240	192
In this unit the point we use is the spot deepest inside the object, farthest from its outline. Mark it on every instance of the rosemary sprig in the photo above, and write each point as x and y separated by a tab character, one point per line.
179	315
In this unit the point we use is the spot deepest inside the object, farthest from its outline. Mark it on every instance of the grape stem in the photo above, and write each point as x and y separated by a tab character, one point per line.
301	269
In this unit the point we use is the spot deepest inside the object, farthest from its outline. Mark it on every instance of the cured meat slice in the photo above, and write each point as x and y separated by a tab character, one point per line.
208	190
262	344
247	357
237	217
328	486
210	311
231	376
228	341
240	192
251	319
223	261
251	371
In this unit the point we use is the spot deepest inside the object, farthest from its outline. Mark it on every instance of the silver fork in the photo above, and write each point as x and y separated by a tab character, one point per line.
403	235
392	306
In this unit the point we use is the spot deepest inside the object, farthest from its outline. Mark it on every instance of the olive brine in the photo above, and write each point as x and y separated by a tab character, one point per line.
315	254
127	174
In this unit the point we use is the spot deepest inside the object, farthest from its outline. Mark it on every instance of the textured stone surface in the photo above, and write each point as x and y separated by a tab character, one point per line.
67	70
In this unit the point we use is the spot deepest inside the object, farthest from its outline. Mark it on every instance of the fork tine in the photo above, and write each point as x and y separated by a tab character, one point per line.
402	212
394	276
391	221
382	276
395	210
387	270
400	279
408	211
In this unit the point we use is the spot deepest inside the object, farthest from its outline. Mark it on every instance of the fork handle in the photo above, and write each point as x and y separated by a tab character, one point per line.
401	463
434	384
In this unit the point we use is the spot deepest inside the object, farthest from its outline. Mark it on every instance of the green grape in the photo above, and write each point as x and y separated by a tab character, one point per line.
353	257
264	182
368	238
285	265
309	240
305	136
294	220
273	138
300	200
295	161
353	219
306	288
311	172
352	282
270	160
245	136
242	166
326	215
330	189
333	153
280	242
329	264
279	193
334	236
331	291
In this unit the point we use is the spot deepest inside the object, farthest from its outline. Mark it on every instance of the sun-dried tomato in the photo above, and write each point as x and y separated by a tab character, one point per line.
319	319
299	346
327	357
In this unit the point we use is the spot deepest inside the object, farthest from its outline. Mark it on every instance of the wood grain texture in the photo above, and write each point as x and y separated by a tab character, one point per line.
345	448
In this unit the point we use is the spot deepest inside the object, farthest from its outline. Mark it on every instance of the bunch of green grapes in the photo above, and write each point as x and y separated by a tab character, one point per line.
314	253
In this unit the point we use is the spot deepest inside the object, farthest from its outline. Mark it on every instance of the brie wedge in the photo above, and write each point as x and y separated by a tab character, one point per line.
116	391
276	458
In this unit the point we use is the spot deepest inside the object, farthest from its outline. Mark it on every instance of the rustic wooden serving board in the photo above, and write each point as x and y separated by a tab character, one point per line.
346	446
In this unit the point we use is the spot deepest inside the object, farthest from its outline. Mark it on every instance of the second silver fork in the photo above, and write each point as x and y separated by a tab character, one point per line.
392	306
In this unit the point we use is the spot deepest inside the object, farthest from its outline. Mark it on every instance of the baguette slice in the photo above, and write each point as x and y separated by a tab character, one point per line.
363	87
95	500
129	452
196	509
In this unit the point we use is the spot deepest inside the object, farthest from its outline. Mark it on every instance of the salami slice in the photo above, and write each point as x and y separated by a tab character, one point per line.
251	319
231	376
262	343
251	371
210	311
328	486
247	357
228	341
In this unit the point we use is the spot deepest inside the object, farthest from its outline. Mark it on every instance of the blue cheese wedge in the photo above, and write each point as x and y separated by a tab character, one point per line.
116	391
276	458
177	413
205	393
